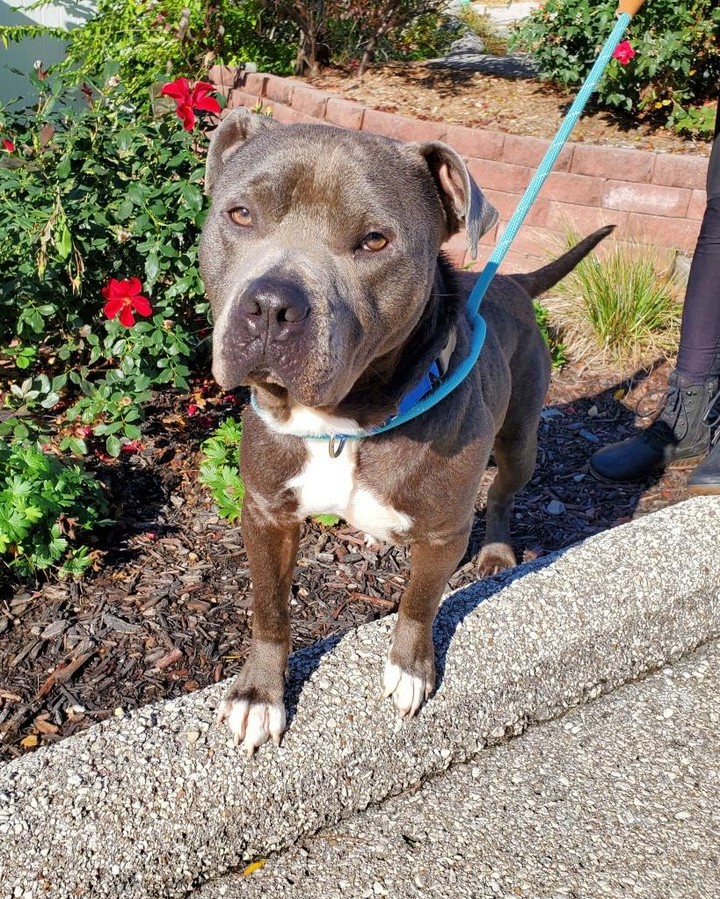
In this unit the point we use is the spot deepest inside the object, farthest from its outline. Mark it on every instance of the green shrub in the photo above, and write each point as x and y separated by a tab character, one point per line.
677	61
220	472
427	37
44	503
95	193
342	30
220	469
144	41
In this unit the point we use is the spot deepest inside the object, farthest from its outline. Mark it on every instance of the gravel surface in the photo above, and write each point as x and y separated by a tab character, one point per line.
618	798
158	802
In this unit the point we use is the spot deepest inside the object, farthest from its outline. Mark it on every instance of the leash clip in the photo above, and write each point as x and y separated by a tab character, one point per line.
336	444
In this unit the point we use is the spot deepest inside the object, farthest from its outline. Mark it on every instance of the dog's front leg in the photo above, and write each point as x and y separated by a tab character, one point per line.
254	707
410	668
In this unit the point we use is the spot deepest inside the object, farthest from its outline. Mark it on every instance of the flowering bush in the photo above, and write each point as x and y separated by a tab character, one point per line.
667	69
101	299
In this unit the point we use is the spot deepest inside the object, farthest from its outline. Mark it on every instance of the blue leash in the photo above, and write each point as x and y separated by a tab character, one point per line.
478	292
548	161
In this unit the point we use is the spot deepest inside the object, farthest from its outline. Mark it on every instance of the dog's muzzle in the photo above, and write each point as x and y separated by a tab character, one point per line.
267	334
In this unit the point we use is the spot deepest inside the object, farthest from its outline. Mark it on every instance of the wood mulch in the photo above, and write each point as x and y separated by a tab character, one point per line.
169	608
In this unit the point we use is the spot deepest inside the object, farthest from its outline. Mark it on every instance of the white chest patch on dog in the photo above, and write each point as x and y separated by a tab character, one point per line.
328	486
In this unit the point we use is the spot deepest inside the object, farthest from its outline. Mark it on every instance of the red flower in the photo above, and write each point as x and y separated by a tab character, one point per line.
192	409
8	144
188	101
623	53
124	300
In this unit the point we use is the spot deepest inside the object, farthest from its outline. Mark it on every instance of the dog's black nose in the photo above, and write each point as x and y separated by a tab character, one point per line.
274	305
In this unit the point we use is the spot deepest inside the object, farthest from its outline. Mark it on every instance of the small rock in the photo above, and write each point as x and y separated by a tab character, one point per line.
555	507
468	43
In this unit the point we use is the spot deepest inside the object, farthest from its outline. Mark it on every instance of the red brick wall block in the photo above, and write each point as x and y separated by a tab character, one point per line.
652	197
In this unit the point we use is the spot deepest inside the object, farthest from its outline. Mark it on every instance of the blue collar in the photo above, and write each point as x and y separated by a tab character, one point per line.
426	394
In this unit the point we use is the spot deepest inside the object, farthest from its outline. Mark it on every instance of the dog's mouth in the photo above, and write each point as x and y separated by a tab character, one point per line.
304	383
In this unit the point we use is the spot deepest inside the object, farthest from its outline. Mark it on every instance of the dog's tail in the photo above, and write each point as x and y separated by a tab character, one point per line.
544	278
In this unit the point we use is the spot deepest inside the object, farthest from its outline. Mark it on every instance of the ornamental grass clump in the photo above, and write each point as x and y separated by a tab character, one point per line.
621	307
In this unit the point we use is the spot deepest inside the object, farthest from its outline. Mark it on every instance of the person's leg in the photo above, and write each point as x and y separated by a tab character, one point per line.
680	434
695	350
699	353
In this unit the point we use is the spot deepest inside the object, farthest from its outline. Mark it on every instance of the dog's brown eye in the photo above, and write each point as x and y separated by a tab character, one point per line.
374	241
241	216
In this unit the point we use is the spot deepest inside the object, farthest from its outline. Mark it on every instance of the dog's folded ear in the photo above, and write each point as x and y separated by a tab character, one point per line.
236	128
465	204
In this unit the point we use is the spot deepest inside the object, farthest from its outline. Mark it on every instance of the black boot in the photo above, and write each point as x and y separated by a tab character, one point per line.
677	435
706	477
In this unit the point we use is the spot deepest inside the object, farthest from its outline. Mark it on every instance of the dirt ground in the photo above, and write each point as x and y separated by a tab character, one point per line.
168	609
514	105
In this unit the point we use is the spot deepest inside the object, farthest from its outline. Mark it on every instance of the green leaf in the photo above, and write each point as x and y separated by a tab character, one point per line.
63	169
63	241
152	268
113	446
327	520
52	399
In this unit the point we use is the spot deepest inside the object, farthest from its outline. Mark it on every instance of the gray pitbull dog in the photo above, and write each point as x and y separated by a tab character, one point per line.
321	256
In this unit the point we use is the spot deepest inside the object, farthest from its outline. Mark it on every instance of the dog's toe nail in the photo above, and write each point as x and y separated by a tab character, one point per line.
391	678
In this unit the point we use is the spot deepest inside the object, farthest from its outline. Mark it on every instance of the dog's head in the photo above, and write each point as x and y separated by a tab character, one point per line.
320	249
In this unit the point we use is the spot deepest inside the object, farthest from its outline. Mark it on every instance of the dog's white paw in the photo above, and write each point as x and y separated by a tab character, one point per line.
407	690
252	724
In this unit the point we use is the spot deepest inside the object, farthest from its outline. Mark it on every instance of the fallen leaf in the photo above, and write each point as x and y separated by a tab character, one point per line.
253	867
30	742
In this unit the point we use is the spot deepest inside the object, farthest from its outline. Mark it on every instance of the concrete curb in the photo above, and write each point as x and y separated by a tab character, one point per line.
158	803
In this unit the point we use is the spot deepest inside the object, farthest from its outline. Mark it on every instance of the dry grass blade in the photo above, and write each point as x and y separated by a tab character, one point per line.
622	308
